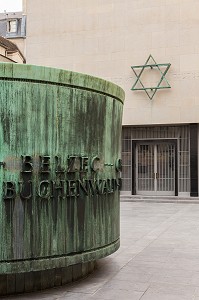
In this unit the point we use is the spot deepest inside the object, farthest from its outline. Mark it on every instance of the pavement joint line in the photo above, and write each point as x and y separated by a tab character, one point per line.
145	291
108	280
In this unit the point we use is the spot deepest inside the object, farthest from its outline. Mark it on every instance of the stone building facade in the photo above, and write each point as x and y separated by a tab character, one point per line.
105	39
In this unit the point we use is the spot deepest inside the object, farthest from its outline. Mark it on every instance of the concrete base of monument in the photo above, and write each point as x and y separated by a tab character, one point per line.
40	280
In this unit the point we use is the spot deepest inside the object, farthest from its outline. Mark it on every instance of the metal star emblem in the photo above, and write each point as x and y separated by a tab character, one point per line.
159	85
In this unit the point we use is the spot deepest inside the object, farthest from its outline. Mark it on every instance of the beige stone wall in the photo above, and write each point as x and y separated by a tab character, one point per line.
104	38
20	42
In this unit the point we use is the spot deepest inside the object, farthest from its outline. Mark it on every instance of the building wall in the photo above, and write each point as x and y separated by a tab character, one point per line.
105	38
20	42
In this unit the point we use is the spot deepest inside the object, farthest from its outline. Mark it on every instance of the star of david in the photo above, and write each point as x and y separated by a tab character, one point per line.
161	68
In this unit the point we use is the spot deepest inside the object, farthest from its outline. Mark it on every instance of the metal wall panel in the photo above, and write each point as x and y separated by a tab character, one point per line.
180	133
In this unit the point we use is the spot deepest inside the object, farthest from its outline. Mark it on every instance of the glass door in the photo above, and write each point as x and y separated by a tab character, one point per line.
155	169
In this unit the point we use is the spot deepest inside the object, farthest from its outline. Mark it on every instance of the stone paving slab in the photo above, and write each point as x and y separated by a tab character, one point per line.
158	258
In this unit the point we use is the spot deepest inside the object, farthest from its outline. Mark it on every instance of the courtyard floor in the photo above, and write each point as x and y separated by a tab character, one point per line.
158	258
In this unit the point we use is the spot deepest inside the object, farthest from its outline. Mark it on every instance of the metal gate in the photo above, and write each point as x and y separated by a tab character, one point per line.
155	168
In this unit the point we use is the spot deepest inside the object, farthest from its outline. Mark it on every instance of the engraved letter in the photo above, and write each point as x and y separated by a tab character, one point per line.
71	188
95	164
44	189
9	190
25	189
26	164
44	164
84	163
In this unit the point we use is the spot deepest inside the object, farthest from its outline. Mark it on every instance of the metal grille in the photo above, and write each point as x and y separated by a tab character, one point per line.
126	162
145	167
165	168
155	168
181	133
184	159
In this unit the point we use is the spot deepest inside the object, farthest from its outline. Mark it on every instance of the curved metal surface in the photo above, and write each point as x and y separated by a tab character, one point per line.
59	175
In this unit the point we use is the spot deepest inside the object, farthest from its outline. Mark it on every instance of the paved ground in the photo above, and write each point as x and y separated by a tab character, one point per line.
158	258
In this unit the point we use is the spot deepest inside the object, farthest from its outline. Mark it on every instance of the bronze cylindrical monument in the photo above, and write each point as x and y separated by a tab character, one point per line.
60	175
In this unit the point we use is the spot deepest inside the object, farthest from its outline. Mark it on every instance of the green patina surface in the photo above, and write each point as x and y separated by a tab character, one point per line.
62	209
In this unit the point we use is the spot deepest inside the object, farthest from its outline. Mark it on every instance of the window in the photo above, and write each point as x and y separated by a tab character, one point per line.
12	26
